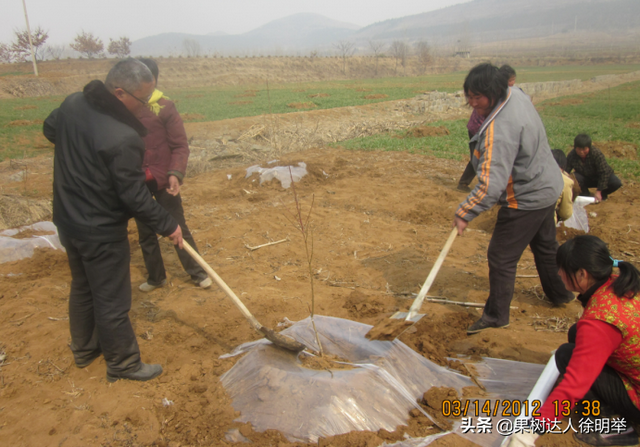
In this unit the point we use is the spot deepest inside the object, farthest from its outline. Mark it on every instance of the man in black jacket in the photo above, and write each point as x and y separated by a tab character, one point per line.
98	185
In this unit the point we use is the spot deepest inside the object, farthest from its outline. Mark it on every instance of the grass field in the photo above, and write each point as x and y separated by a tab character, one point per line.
605	115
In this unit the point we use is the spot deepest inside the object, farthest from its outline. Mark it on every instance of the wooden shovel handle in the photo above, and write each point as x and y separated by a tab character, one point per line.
225	288
417	303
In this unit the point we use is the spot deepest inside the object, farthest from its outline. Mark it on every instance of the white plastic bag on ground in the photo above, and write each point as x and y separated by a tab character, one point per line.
579	220
281	173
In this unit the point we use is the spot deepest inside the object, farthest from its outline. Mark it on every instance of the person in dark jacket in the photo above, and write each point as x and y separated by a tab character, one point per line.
165	164
592	169
98	185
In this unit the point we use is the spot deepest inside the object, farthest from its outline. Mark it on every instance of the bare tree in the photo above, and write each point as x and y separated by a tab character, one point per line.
21	48
423	52
400	52
346	50
376	48
121	47
88	45
6	56
54	51
191	47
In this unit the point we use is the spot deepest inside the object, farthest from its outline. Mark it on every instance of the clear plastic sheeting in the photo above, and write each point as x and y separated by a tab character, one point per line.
13	249
272	390
281	173
579	220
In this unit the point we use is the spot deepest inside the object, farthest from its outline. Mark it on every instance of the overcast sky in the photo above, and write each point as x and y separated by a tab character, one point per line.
64	19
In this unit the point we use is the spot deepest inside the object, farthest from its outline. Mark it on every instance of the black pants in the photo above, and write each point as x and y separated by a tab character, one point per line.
585	183
514	230
151	248
99	303
608	388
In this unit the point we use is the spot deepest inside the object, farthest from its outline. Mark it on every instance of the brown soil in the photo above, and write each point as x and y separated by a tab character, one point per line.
325	362
240	103
376	96
192	117
25	234
618	149
319	95
427	131
379	222
20	123
301	105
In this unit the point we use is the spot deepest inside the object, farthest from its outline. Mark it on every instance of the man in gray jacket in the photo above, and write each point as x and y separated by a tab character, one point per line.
515	169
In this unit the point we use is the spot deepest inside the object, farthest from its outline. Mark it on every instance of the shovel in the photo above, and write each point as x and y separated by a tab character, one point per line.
401	321
279	340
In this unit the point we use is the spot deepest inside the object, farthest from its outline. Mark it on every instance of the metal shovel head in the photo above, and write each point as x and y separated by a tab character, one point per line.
391	328
282	341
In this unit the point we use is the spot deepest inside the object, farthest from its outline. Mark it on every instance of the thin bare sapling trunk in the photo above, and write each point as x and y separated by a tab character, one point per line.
303	226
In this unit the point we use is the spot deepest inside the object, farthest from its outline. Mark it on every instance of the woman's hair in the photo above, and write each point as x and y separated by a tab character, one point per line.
151	65
560	158
590	253
487	80
509	71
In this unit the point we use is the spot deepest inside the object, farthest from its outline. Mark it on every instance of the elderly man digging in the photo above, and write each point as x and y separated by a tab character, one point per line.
98	185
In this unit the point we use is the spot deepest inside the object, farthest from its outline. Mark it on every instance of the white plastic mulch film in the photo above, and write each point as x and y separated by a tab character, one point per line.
15	248
272	390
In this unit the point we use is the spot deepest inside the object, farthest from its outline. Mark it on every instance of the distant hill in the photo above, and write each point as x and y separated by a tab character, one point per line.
482	21
460	27
290	35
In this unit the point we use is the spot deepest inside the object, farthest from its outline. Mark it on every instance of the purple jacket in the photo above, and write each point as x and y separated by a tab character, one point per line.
167	148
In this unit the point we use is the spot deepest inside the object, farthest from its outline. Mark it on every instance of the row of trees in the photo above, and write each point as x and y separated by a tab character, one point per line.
86	44
399	50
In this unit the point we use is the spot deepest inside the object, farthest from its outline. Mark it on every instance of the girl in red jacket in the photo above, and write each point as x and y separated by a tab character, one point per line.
601	362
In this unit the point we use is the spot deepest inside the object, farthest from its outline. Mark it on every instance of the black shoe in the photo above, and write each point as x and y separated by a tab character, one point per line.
84	362
480	325
462	187
628	437
146	372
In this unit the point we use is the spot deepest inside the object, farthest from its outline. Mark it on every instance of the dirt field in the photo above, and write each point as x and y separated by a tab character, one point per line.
379	221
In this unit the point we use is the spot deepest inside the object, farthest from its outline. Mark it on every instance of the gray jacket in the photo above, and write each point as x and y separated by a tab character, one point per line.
513	161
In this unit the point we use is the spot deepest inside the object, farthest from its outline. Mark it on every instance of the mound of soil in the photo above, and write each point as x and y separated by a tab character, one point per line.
20	123
376	96
301	105
427	131
618	149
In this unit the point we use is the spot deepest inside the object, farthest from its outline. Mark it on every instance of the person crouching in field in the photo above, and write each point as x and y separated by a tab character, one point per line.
592	169
165	164
601	361
515	169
